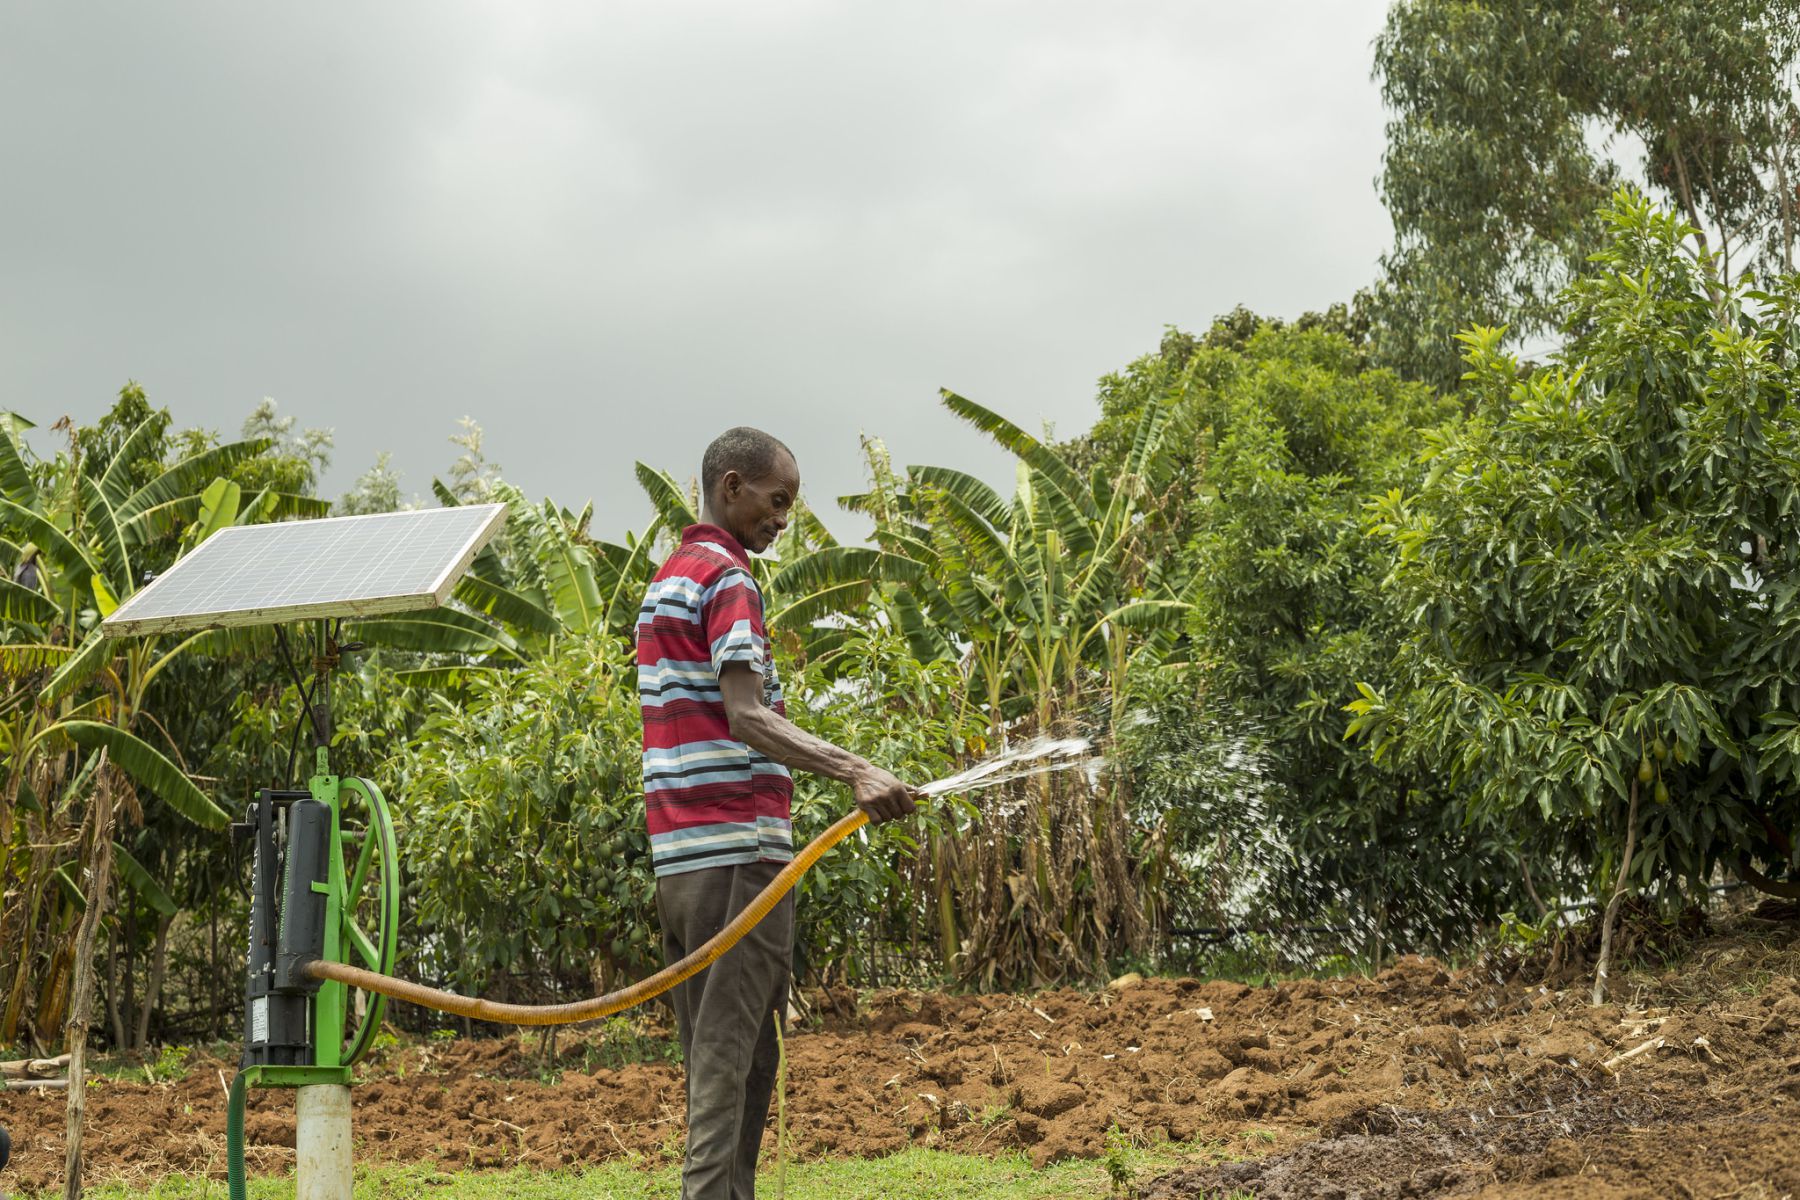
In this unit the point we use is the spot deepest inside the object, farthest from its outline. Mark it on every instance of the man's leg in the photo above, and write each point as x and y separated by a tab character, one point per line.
724	1009
671	912
769	956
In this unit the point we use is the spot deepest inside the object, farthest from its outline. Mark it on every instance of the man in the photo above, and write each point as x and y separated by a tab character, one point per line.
717	748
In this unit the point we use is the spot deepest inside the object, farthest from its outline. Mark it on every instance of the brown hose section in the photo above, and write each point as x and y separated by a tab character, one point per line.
612	1002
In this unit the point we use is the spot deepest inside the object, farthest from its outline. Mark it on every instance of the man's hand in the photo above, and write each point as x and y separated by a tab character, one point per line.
881	795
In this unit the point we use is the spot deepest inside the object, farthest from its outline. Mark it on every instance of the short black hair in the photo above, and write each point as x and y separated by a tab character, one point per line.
749	452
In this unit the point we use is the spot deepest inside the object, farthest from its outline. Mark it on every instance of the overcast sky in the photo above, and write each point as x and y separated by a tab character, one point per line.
606	231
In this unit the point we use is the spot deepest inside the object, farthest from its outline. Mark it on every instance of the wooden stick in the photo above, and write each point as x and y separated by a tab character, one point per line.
1654	1043
81	1004
33	1068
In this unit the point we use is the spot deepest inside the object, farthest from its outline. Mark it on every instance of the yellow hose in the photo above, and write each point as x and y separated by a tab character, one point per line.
612	1002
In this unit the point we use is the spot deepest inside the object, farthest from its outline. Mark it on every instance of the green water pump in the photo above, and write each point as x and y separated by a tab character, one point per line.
325	884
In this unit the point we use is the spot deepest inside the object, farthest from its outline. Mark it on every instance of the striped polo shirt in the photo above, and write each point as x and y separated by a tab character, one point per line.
710	800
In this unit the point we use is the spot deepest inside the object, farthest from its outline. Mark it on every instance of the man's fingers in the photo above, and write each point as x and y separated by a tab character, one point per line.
890	804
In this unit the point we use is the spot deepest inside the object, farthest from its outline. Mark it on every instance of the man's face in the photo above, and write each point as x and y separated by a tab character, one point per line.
755	511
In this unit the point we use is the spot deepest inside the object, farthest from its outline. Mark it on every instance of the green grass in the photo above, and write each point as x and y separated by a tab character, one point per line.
916	1174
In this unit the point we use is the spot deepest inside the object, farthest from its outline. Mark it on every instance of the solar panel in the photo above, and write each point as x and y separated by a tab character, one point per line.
300	570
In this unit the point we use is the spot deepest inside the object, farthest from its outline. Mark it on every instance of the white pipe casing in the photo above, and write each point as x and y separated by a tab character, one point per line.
322	1142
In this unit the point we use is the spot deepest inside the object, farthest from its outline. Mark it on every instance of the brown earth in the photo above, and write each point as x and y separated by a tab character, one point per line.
1418	1082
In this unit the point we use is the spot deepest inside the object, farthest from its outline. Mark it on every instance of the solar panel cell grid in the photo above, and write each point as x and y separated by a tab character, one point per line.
339	566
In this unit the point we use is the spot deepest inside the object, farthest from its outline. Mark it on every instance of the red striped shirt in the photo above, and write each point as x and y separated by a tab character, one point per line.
709	800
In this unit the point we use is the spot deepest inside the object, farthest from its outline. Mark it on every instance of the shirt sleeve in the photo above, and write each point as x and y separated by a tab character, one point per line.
731	616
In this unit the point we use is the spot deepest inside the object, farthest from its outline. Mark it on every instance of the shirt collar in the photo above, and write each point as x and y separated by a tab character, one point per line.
713	533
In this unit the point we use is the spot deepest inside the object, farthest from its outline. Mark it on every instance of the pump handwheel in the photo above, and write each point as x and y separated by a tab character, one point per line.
370	922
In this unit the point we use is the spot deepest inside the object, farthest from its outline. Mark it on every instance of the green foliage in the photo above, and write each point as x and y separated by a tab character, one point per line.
73	716
520	815
523	796
1600	573
914	719
376	490
1493	173
1117	1162
915	1173
1240	758
295	459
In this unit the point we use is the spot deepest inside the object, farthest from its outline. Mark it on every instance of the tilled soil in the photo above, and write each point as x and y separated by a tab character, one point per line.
1418	1082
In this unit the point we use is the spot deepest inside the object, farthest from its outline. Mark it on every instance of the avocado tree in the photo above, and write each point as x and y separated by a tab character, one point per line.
1600	576
1293	434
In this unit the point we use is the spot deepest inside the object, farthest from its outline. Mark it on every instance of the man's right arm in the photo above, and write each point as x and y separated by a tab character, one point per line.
876	792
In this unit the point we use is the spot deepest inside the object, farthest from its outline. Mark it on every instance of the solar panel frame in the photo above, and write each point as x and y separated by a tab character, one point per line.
123	623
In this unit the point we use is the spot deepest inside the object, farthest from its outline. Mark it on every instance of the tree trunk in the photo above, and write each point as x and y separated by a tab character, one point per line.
212	954
1612	906
1543	910
159	961
1786	193
112	987
81	1005
130	1002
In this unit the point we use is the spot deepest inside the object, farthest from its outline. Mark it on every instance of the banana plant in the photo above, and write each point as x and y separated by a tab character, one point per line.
82	533
1035	590
1046	598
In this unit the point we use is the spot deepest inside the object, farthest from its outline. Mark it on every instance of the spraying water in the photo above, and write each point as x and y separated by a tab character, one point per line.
1044	754
1212	791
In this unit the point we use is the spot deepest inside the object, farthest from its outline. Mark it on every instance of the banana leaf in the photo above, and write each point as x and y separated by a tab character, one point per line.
19	603
218	509
115	563
115	482
437	679
63	553
972	491
16	483
437	631
23	658
504	604
289	505
160	521
633	576
574	589
88	660
189	475
670	499
70	888
802	611
148	767
1041	457
132	872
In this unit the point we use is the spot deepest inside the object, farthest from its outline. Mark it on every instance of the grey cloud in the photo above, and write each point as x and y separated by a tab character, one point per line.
606	231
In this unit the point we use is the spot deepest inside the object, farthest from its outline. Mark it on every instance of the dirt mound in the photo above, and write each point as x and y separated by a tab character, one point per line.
1418	1082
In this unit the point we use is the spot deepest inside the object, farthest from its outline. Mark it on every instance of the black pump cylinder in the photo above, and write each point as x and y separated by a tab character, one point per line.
275	1021
302	937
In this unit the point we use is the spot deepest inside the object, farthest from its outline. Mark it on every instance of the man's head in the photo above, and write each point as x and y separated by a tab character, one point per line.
748	484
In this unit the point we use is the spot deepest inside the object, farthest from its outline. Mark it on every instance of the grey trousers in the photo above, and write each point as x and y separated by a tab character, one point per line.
725	1016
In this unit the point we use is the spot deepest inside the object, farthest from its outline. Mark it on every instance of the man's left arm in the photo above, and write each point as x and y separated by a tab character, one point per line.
876	792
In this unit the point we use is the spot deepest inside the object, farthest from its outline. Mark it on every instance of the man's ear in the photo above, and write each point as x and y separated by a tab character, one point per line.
730	484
